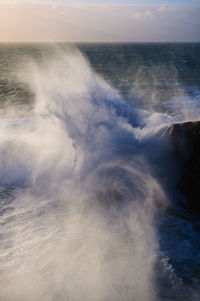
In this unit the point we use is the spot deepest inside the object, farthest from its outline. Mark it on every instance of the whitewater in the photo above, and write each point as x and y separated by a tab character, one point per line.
86	182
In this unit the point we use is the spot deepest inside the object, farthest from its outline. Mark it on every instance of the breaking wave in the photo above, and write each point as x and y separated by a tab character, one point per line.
79	190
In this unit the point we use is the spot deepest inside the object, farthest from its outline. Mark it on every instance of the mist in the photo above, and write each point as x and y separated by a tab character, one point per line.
81	222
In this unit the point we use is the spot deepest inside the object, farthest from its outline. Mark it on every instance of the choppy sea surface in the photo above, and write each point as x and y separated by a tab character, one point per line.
88	204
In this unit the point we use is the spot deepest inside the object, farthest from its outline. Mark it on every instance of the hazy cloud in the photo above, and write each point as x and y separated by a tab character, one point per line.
166	8
65	21
140	15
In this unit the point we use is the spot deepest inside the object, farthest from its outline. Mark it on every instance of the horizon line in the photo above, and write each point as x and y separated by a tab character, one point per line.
95	42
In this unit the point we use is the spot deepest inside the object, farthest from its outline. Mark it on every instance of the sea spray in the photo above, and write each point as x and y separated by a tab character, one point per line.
80	191
81	224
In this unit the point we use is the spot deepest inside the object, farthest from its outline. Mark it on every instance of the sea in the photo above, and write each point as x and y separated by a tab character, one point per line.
89	209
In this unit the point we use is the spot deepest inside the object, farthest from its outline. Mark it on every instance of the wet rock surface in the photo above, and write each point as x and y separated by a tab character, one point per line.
186	143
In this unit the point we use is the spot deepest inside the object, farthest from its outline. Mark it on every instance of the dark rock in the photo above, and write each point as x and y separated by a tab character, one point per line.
186	141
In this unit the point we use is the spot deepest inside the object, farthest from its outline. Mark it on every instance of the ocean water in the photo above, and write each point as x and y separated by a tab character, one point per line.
88	205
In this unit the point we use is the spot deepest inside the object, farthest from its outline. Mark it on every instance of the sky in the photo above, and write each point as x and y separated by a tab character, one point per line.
99	21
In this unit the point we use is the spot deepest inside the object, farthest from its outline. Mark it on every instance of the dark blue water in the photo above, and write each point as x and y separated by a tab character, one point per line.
88	205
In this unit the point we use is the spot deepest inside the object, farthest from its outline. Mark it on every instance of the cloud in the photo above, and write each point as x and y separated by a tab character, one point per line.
102	22
147	14
166	8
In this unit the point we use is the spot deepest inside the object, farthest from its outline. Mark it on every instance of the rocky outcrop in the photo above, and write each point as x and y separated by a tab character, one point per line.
186	142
